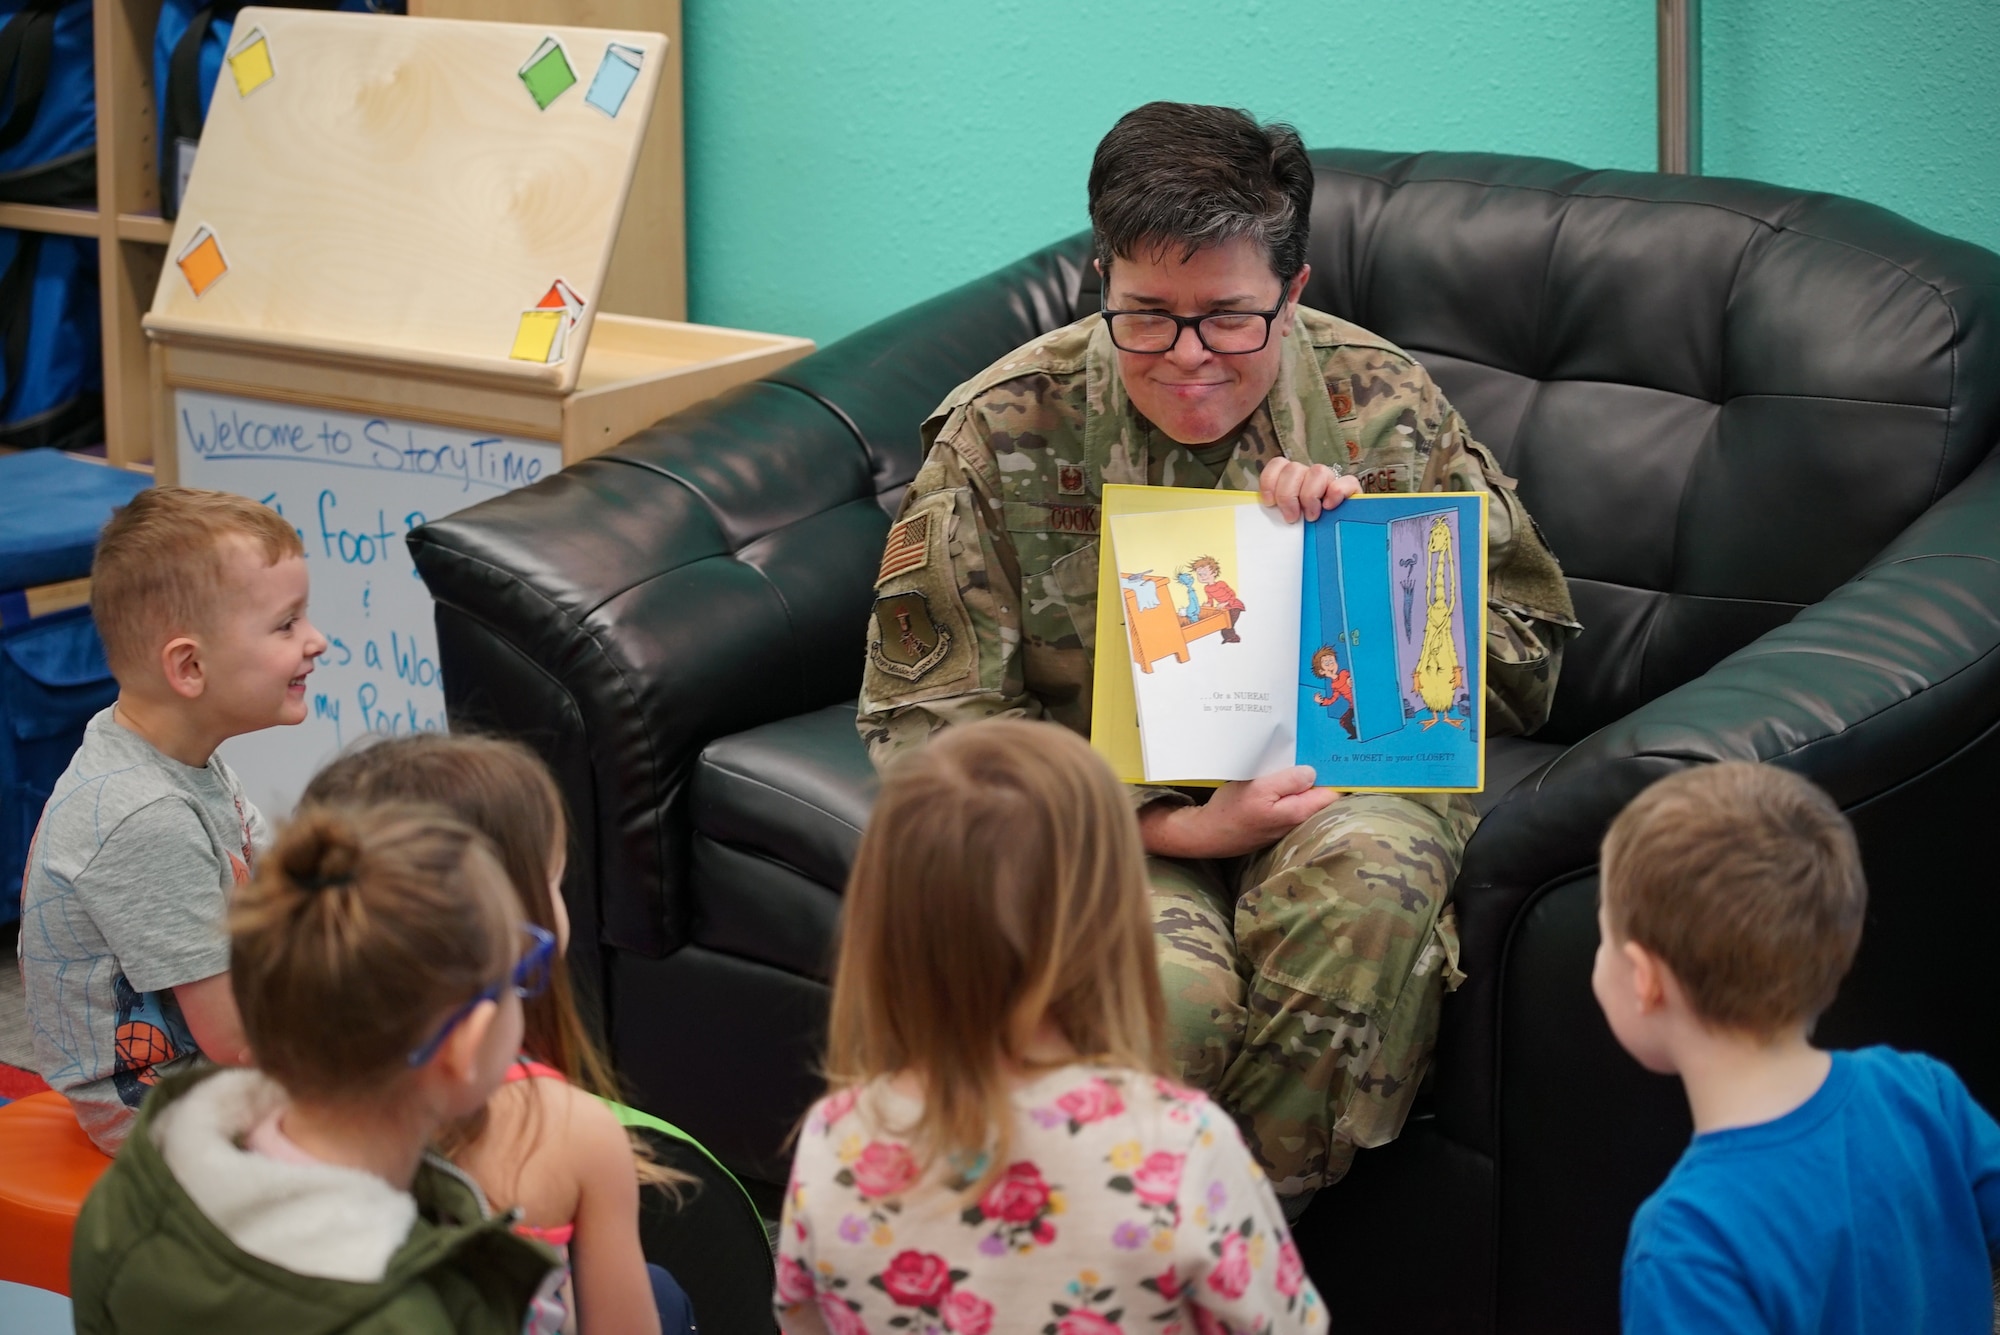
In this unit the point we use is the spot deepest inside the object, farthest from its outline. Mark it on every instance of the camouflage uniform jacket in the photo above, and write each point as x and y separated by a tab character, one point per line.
986	601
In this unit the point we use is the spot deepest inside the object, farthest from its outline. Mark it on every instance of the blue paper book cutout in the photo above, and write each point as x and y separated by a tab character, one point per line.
1391	665
616	74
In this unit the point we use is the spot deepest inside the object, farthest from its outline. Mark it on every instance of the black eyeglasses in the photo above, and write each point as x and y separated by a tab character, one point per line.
529	979
1230	333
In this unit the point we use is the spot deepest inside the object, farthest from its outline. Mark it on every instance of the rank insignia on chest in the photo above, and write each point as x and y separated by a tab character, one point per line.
1071	480
1073	518
908	548
908	640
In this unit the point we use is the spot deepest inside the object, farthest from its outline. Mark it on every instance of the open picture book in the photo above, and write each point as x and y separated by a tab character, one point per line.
1231	644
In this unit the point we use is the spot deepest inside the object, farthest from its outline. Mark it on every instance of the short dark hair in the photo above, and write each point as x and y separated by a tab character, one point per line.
1746	881
1173	174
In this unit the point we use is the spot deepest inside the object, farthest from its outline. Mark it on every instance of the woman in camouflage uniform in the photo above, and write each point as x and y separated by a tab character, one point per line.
1305	937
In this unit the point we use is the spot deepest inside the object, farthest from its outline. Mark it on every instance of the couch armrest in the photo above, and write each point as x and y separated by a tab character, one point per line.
709	575
1890	677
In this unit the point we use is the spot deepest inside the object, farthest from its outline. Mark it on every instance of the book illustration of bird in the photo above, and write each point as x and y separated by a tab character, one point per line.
1193	612
1439	674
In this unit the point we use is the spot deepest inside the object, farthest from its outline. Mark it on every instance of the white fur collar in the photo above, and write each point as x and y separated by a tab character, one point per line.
312	1219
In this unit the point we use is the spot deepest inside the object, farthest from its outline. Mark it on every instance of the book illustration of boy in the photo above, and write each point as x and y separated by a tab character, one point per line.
1214	593
1439	674
1339	686
200	599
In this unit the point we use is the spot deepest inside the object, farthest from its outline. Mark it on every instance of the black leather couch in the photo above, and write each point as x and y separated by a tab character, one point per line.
1755	424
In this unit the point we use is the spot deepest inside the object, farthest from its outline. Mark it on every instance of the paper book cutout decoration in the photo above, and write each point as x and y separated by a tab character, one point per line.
548	74
540	337
201	261
543	333
1376	643
562	296
250	63
616	74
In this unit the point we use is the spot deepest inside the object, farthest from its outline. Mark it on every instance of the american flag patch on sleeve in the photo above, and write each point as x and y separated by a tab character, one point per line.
908	547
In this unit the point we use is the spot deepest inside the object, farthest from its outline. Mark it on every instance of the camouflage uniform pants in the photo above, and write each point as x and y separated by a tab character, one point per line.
1303	983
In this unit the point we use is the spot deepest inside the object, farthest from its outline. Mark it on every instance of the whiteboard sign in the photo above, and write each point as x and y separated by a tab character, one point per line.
352	486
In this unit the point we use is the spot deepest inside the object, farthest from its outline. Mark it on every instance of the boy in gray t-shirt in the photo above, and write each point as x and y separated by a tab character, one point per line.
200	599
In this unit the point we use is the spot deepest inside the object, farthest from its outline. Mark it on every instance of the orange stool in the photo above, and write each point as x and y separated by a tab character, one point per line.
47	1167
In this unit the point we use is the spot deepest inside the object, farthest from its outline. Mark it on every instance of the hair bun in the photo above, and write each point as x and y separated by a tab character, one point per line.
321	852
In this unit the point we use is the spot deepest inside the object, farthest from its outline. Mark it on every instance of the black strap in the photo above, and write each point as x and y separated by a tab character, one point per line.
17	302
27	48
183	98
182	103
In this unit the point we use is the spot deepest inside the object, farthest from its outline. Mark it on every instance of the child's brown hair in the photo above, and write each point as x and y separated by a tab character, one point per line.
1746	881
1000	884
159	566
503	790
359	932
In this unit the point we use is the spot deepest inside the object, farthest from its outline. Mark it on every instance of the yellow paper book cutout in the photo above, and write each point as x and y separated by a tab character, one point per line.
250	64
201	261
536	338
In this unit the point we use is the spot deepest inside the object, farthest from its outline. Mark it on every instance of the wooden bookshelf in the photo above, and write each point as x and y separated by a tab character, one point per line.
648	274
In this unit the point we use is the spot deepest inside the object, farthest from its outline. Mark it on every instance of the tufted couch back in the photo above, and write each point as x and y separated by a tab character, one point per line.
1720	398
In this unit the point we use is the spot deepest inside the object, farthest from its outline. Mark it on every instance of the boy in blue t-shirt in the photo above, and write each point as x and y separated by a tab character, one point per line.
1824	1192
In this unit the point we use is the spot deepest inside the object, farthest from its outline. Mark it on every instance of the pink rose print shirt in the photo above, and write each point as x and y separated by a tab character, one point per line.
1129	1205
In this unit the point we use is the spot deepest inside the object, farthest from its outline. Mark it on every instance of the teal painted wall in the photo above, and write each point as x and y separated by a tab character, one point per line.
1893	101
846	160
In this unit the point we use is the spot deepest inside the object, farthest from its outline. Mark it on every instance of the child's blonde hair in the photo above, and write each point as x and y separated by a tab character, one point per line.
1000	884
159	566
361	930
1746	881
502	789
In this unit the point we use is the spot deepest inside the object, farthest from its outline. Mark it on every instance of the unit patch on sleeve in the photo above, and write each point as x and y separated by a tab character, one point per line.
908	547
908	641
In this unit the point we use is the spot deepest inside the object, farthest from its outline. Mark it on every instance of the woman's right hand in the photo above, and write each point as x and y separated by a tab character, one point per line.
1242	817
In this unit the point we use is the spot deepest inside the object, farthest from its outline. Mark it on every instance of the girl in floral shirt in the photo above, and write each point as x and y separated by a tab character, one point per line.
1000	1151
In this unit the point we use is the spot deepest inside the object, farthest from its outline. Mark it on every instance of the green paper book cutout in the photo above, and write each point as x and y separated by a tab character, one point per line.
547	74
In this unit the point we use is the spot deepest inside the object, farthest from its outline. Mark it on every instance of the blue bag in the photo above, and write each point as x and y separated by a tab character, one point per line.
53	676
51	363
48	137
188	47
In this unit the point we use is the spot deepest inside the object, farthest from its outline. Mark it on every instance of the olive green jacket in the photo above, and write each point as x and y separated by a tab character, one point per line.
145	1259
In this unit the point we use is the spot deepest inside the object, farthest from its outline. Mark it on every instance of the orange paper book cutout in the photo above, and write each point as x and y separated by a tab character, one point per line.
561	296
202	263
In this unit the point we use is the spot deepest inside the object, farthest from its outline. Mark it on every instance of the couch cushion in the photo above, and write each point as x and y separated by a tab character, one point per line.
757	908
797	792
